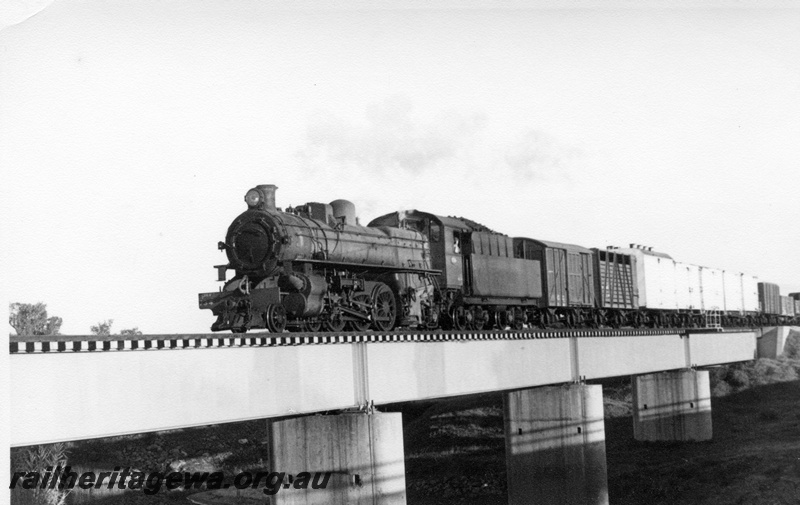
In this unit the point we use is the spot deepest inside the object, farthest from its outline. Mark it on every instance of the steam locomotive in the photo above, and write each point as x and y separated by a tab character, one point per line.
313	267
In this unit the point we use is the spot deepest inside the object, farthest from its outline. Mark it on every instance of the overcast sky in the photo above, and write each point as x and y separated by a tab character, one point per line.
130	131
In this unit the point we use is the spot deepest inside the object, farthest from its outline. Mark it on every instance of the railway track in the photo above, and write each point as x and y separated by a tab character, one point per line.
94	343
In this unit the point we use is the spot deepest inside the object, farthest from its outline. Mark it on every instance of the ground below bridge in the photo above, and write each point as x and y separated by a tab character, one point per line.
455	454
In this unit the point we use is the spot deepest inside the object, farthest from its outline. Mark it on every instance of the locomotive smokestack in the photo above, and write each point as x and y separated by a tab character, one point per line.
269	195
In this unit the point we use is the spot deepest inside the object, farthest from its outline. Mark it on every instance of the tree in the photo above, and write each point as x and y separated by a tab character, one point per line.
104	328
32	319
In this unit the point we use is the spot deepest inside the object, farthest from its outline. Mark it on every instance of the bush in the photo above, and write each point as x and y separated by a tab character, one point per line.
740	376
767	371
720	388
37	459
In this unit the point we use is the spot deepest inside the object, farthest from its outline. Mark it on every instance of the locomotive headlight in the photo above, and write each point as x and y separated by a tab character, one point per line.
253	198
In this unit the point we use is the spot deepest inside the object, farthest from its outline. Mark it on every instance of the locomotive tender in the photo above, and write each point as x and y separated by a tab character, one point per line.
314	267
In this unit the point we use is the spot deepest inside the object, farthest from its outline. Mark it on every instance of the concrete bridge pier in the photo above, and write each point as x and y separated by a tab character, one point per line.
555	446
672	406
771	340
363	453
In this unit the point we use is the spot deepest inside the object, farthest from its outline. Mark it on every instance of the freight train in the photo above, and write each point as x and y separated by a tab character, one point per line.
314	267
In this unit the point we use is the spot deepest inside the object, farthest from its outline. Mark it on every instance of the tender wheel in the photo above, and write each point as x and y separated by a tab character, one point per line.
480	318
276	318
492	318
460	317
518	320
506	318
384	311
362	302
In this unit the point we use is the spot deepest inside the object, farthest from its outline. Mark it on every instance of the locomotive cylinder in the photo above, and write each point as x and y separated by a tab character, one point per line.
305	296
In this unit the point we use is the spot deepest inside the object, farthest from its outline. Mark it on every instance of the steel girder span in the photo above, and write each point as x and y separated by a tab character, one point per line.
127	388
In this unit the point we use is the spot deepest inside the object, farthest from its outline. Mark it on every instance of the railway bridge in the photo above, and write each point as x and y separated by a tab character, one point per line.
78	387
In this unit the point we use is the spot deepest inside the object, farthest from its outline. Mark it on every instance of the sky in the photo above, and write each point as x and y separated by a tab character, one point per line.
131	130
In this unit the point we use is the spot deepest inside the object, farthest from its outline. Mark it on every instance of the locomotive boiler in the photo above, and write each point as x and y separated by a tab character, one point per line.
313	267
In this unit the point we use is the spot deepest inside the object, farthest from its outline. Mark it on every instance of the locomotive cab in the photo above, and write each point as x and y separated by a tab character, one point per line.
446	238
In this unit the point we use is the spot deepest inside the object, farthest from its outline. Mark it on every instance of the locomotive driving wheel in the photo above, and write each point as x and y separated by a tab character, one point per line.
362	302
310	326
336	321
384	311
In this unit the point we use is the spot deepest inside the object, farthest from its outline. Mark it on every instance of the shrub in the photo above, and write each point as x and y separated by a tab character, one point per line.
37	459
767	371
721	388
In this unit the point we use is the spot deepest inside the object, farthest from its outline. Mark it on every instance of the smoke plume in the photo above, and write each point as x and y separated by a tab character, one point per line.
391	138
536	155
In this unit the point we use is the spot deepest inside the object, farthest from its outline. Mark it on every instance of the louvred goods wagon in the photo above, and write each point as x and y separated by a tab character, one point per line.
615	280
656	278
769	296
687	287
